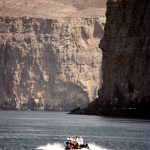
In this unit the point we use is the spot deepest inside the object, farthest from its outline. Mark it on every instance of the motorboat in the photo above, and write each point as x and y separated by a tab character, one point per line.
75	143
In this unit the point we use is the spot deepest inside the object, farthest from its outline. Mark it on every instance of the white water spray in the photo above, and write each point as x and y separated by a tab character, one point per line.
96	147
55	146
58	146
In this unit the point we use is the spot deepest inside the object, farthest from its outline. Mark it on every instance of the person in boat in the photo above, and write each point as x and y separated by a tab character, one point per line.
80	140
68	145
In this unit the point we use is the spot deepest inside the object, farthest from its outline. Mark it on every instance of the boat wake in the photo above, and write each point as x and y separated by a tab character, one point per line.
55	146
58	146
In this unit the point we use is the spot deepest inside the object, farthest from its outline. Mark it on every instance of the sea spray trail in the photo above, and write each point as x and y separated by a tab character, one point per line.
96	147
58	146
55	146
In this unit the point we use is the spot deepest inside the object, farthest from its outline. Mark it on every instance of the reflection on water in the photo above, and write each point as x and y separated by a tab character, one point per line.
29	130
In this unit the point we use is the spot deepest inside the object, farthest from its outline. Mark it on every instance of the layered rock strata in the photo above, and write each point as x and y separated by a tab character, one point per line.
49	64
126	59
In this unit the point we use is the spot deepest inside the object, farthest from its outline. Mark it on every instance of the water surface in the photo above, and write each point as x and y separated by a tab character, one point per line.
29	130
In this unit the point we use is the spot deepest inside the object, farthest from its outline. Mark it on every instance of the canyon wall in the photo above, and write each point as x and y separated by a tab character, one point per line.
48	64
126	59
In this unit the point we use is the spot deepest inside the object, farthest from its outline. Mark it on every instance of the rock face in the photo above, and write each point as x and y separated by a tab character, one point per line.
48	63
126	59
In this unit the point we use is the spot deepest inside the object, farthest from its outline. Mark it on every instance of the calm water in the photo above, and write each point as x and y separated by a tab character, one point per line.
28	130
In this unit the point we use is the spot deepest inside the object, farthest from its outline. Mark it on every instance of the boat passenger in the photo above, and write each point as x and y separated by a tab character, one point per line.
81	140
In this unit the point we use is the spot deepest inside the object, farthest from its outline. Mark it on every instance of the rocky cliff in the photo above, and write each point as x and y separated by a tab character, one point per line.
48	60
126	59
